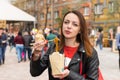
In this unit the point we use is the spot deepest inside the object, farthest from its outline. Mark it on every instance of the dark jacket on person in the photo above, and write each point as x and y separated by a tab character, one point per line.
100	38
4	38
27	39
90	65
11	40
0	41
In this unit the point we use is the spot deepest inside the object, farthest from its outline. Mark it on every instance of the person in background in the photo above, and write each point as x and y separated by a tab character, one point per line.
54	31
33	38
27	41
50	36
100	39
11	41
96	38
75	46
118	43
1	31
4	44
19	42
111	37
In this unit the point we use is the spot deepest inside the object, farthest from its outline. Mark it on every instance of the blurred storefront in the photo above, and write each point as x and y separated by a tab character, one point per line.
2	23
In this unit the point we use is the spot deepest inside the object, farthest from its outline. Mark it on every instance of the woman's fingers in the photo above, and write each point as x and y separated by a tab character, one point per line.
39	45
62	75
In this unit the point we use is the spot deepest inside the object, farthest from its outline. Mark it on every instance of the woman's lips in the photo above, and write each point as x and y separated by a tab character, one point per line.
67	32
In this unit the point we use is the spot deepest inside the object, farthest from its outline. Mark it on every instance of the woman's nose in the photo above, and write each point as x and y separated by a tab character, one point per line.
69	25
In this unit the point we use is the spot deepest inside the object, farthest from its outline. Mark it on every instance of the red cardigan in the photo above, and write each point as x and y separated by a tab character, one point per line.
19	40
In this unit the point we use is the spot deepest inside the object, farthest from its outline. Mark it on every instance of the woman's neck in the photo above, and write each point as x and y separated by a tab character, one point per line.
71	42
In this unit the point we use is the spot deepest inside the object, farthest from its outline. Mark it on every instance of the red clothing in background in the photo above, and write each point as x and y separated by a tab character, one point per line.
19	40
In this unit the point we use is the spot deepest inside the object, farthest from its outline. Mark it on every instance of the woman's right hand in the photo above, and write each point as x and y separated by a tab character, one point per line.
37	49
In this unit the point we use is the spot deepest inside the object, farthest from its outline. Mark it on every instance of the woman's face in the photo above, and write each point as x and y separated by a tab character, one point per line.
71	26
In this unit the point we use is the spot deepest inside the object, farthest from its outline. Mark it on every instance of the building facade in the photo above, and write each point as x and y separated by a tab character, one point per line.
47	12
98	13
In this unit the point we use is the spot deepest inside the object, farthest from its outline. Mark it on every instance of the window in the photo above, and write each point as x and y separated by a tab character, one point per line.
49	15
24	6
111	6
48	1
86	11
42	16
55	1
98	8
41	2
30	4
36	7
56	14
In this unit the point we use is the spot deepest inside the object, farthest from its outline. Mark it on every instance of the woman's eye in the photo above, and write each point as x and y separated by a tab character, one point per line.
66	22
75	25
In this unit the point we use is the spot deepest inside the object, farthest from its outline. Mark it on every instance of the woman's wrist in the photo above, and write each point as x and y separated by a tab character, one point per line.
35	58
36	55
37	51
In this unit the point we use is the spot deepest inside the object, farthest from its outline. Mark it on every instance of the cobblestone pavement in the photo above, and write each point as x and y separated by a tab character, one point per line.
109	64
12	70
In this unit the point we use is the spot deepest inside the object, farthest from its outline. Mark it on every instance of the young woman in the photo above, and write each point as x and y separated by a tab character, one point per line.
19	42
76	47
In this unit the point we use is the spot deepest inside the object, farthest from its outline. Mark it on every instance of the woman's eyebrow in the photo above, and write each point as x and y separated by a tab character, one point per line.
76	22
72	21
66	20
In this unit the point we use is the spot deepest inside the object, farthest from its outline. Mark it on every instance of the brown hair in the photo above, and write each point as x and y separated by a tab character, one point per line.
82	37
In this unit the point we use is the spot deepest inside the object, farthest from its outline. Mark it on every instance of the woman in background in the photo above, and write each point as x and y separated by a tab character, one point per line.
19	42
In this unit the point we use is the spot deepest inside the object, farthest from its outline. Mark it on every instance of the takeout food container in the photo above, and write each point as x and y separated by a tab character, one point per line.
57	63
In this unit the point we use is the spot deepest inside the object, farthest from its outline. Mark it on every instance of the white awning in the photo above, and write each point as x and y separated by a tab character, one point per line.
11	13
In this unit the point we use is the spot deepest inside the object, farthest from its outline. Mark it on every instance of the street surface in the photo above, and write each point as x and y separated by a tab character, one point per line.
12	70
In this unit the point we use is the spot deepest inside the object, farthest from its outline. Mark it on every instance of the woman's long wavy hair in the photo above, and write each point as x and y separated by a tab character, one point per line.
82	37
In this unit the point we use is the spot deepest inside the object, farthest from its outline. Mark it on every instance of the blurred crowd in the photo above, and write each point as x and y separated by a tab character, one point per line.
23	42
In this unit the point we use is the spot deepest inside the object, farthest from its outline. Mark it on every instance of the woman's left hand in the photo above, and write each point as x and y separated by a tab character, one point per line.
64	74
